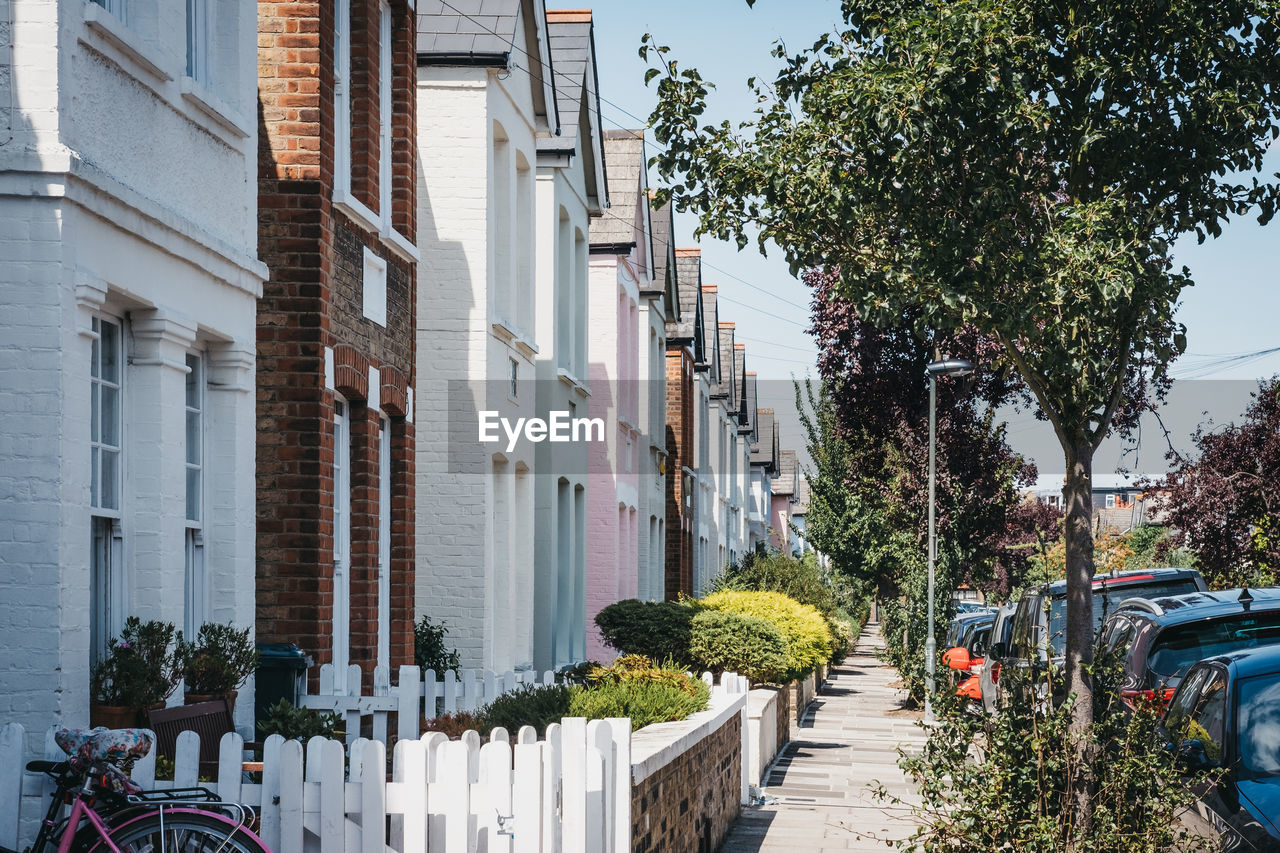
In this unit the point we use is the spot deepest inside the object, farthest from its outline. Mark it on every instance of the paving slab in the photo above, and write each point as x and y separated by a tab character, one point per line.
823	780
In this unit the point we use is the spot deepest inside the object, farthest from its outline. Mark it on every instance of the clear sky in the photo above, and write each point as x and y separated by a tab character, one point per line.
1234	307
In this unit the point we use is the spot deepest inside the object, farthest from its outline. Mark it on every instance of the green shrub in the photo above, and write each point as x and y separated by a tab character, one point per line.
1009	782
804	628
538	706
299	723
430	650
842	637
645	702
655	629
803	580
723	641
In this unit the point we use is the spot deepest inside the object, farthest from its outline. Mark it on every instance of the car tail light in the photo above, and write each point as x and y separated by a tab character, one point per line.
995	672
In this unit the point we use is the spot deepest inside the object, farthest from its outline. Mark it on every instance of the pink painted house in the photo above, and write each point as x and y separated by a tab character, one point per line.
785	490
621	269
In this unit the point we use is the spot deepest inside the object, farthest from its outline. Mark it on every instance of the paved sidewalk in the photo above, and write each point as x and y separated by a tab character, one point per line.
848	739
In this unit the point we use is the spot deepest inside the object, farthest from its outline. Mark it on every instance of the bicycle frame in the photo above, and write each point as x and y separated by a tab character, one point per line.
78	811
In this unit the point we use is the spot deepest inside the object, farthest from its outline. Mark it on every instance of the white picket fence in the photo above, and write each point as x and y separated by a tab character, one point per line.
569	792
416	695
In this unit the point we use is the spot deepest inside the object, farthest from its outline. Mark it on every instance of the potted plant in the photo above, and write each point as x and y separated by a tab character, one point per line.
136	675
216	663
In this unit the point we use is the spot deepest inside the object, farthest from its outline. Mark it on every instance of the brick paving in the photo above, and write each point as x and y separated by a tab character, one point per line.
847	740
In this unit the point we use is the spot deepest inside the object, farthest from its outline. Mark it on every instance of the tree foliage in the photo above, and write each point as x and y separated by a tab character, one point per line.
1020	166
1226	503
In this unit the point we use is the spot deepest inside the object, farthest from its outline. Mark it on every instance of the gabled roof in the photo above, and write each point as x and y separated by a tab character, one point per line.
622	226
744	407
727	387
710	336
661	225
786	483
750	394
573	50
483	32
764	444
687	266
803	494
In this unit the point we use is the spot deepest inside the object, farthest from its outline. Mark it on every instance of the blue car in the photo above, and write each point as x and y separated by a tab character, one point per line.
1225	716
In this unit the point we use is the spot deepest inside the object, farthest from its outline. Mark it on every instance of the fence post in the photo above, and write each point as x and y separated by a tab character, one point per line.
186	760
272	798
491	689
331	770
620	728
410	693
230	762
495	782
144	770
291	797
12	766
409	769
354	677
469	690
528	795
450	691
454	789
599	754
552	791
373	802
381	688
573	782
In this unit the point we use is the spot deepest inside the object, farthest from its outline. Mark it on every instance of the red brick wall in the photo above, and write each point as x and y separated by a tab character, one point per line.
679	406
313	300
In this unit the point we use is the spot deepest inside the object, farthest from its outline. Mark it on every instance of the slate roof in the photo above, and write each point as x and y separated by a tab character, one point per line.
740	386
788	466
661	223
749	397
625	161
710	335
727	387
688	271
571	48
764	446
468	27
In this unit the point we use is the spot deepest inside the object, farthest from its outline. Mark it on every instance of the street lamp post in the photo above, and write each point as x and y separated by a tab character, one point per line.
944	367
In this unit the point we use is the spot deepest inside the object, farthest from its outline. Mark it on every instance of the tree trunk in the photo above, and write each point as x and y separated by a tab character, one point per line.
1078	536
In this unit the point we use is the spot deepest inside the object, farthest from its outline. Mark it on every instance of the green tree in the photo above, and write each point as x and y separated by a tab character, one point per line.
1023	166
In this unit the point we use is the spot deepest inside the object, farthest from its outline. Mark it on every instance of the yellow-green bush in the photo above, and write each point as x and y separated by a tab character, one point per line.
809	640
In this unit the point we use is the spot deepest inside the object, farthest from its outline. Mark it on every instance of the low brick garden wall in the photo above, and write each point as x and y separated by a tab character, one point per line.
687	780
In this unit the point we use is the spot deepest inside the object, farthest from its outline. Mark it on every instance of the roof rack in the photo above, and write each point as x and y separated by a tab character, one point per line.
1138	603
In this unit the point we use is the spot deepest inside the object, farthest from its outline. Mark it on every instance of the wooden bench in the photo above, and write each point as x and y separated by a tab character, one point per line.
211	720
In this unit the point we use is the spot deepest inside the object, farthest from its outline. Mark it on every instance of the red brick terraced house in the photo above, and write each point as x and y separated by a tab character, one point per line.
336	183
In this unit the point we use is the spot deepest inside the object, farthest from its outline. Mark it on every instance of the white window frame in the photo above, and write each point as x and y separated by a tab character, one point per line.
342	97
1111	501
386	107
195	579
107	579
115	7
200	41
384	542
341	642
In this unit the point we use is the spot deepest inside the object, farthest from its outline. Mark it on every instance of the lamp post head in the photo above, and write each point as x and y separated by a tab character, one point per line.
950	367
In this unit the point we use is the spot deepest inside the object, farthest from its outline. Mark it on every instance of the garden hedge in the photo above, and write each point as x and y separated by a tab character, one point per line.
809	640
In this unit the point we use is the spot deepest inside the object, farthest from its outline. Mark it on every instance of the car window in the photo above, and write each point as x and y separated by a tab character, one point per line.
1105	600
1019	639
1118	636
1210	719
1178	647
1258	724
1184	701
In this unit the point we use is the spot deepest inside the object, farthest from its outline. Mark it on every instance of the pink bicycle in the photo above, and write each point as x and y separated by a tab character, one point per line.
111	814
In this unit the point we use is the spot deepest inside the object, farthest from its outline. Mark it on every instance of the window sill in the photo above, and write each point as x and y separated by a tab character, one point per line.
108	34
573	382
508	334
194	93
362	216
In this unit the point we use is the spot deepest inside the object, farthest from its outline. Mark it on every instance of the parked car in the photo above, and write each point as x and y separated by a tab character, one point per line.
1224	719
1158	639
997	650
966	657
961	622
1039	623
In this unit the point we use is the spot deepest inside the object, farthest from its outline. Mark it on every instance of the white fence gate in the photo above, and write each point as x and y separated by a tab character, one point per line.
416	695
567	793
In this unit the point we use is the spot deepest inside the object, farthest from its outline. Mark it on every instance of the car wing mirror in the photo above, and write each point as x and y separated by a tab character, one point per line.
997	650
1191	756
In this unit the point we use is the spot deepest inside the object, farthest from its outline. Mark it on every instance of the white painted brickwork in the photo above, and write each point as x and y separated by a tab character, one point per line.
97	218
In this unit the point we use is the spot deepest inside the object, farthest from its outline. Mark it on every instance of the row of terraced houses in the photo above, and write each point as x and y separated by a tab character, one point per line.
268	269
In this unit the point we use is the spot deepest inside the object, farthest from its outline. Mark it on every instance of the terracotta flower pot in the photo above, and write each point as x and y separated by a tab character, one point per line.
196	698
113	716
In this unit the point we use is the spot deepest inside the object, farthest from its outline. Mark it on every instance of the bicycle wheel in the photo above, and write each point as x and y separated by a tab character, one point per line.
181	831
